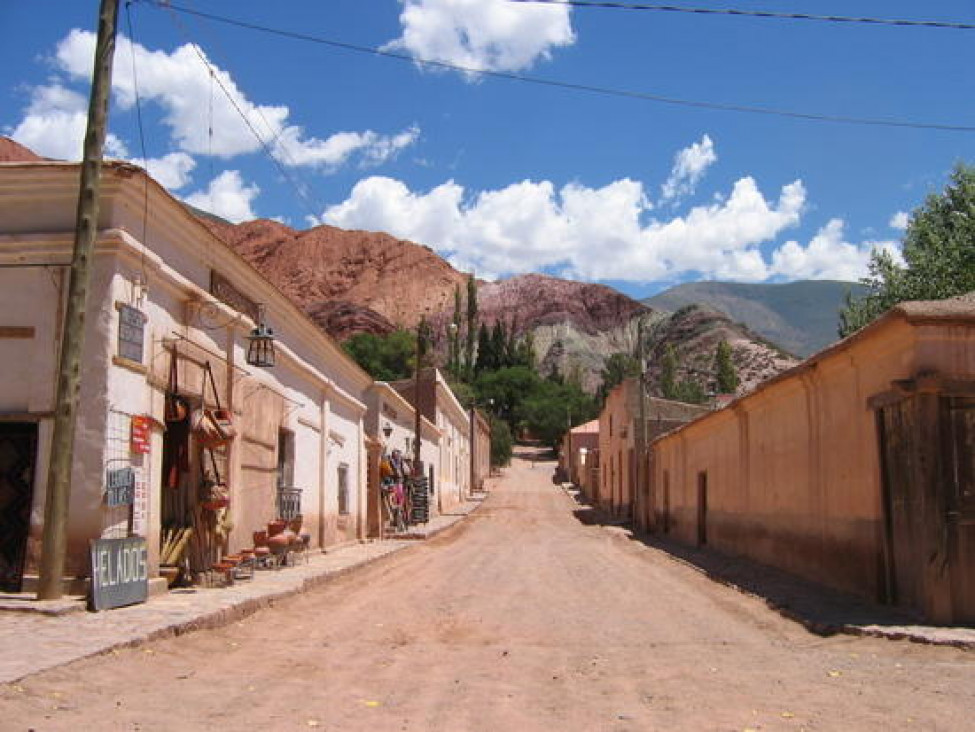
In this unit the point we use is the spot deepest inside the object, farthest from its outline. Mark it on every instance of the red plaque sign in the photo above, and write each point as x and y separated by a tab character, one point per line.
141	432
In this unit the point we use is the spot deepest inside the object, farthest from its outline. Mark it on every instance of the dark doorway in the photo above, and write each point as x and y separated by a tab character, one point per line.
702	508
18	455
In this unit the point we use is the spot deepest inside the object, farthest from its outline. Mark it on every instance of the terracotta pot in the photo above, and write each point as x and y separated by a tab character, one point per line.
260	538
278	542
295	523
292	536
275	527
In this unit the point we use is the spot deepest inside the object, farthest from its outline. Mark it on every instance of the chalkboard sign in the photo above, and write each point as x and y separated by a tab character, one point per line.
120	487
131	333
119	572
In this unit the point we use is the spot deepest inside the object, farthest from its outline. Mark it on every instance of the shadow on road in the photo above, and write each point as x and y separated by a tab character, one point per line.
822	610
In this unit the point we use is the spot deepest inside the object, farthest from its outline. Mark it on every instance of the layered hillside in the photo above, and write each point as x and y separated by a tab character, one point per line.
695	331
801	317
349	281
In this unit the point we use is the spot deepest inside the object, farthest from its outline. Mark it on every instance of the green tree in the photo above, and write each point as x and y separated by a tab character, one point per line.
508	388
499	344
500	442
551	410
724	369
616	368
485	351
939	256
471	327
453	334
384	358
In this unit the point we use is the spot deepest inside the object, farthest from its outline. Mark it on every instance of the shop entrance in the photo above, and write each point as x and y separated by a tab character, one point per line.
18	456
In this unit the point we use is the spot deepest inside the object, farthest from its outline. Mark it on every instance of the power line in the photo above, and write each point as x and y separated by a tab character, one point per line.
763	14
265	146
572	86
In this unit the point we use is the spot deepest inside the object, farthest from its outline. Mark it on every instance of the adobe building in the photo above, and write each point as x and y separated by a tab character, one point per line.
619	435
450	472
855	469
578	454
170	313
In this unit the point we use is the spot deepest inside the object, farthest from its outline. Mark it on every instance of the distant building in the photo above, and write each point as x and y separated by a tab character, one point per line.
619	425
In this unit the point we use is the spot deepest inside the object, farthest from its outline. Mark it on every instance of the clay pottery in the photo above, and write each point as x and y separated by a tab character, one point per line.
292	536
261	551
275	527
278	542
246	553
260	538
295	523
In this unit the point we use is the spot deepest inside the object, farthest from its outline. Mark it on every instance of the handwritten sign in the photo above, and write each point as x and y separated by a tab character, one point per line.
120	487
131	332
119	572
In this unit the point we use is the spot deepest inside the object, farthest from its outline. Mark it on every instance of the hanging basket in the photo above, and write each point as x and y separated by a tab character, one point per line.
213	427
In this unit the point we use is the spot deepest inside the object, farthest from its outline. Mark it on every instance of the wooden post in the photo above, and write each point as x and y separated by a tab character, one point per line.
54	541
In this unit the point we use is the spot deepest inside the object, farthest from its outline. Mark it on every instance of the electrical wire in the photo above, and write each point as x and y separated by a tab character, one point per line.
142	146
763	14
265	146
281	150
571	86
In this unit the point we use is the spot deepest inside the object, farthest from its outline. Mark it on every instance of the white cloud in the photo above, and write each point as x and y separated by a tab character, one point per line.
193	102
899	221
827	256
227	196
487	35
591	233
171	171
54	125
374	148
690	164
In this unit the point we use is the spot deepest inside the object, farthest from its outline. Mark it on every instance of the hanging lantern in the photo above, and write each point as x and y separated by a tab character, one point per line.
260	351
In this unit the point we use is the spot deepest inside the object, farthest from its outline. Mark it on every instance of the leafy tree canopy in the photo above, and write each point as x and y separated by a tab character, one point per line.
939	256
384	358
617	368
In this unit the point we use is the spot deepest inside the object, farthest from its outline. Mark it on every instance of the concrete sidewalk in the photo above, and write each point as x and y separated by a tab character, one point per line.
57	633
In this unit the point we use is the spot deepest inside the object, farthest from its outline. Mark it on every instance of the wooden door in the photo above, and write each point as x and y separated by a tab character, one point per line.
18	454
903	501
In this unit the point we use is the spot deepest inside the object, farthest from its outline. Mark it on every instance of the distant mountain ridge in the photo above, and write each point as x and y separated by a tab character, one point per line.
800	317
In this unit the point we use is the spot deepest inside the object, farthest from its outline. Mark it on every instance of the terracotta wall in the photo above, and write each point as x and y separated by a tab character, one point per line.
792	471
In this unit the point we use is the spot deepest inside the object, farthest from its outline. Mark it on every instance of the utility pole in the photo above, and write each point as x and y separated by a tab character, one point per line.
54	541
642	484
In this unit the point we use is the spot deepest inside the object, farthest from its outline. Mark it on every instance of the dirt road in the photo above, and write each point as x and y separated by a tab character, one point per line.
522	618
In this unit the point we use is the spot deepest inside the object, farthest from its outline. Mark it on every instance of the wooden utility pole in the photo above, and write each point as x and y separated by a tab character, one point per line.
54	542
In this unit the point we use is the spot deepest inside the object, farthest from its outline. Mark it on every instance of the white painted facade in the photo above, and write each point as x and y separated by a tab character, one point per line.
152	254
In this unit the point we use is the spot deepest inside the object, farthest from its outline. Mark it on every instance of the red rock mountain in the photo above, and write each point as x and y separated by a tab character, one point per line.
14	152
348	281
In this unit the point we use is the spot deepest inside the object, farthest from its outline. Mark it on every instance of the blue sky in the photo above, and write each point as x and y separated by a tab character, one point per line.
502	176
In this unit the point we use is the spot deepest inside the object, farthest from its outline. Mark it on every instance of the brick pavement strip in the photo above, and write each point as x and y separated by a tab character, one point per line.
31	642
